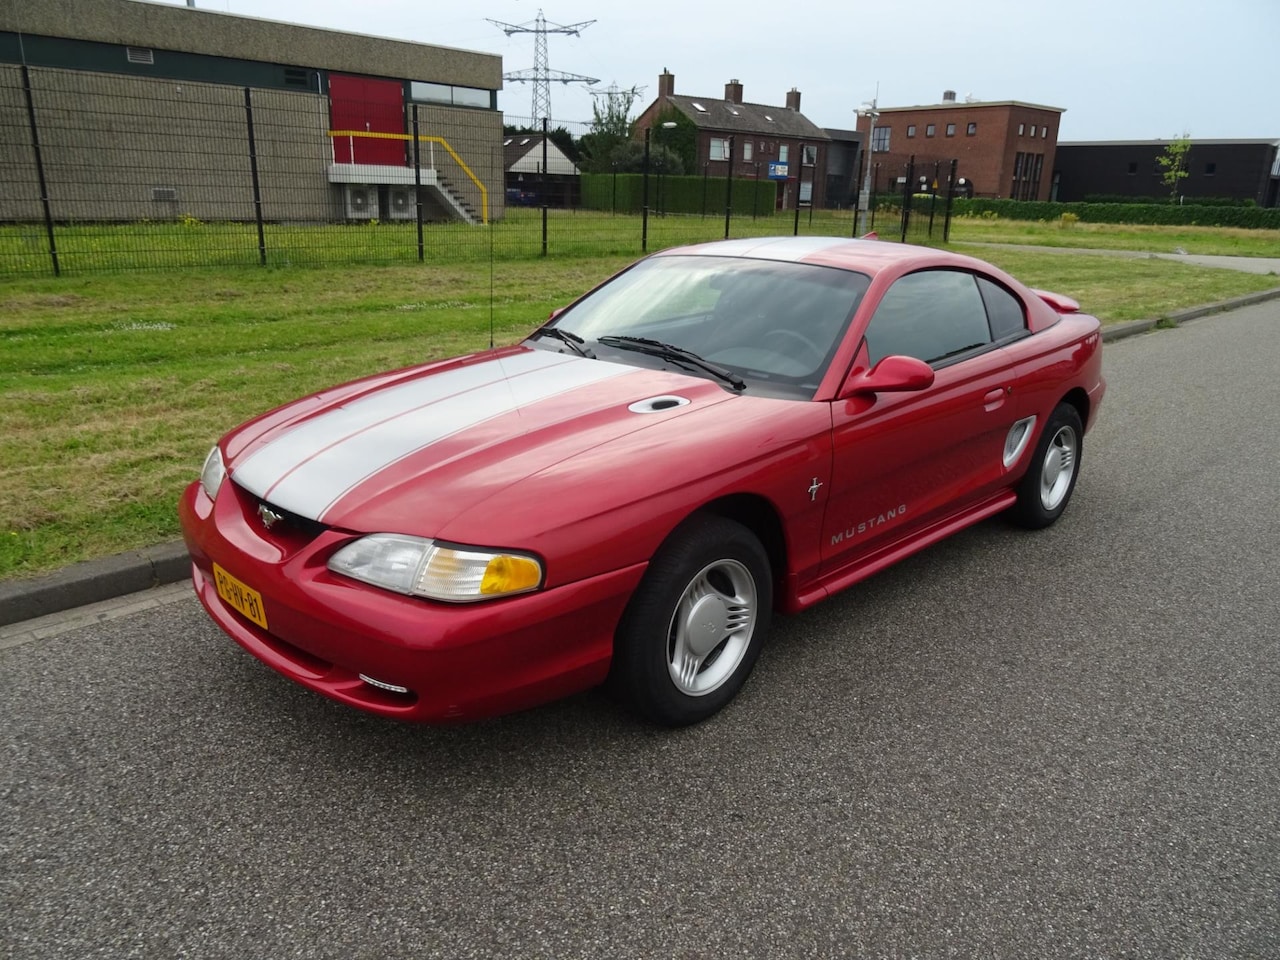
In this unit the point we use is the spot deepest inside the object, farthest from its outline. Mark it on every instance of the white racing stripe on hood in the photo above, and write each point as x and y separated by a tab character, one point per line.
309	468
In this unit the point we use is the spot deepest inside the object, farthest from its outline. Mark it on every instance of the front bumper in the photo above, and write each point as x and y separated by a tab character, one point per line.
458	661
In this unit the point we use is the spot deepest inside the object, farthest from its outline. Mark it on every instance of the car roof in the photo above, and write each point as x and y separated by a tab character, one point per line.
864	256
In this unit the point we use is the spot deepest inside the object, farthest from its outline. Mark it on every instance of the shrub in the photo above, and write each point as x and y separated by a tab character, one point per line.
1164	214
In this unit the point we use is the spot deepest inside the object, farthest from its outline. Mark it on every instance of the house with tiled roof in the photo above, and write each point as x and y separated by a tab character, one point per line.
752	141
537	170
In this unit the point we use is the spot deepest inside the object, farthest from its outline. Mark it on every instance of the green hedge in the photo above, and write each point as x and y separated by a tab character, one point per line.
1182	201
1164	214
678	195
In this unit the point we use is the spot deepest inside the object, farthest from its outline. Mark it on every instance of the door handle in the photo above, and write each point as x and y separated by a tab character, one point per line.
994	398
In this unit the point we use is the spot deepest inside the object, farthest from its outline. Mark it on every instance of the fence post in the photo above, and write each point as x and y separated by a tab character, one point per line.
728	190
795	228
906	196
951	192
253	169
933	196
644	203
544	186
417	182
44	186
871	200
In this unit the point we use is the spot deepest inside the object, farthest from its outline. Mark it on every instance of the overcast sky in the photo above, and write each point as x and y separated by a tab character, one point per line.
1122	69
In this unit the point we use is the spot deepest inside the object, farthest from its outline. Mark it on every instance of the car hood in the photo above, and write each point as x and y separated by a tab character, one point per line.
409	452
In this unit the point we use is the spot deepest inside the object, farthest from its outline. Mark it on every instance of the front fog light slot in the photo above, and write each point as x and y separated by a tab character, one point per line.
383	685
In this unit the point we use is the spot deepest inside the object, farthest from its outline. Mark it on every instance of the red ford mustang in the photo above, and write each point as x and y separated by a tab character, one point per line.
718	432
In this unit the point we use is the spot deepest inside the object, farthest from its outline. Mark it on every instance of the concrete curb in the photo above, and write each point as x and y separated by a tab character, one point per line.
97	580
1120	331
93	581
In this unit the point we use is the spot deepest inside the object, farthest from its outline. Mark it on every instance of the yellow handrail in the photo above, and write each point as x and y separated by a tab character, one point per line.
373	135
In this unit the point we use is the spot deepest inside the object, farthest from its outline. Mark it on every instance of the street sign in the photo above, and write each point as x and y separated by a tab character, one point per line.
777	171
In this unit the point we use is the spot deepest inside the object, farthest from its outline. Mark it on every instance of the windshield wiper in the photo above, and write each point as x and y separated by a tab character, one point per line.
574	341
669	351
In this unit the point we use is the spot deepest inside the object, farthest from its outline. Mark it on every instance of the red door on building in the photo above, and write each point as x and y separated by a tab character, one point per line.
366	105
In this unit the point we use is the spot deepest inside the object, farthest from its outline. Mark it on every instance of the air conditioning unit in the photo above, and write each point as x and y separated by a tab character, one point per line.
401	204
362	202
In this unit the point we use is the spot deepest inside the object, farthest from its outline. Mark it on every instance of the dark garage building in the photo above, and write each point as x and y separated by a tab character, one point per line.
1233	169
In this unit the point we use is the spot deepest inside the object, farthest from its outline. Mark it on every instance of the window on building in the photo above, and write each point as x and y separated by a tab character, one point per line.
1022	127
951	129
1133	168
452	95
719	149
784	152
972	129
1210	169
930	130
806	192
880	140
748	149
911	130
810	155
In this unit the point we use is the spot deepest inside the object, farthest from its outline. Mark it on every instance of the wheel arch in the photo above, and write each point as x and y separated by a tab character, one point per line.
761	517
1079	399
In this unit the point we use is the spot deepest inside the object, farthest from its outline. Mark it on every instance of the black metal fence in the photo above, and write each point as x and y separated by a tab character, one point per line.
912	201
109	172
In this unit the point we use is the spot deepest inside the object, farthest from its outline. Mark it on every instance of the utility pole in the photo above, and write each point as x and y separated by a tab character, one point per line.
871	110
541	74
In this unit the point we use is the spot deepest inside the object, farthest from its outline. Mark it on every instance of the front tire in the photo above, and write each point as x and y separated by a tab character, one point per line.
694	627
1047	487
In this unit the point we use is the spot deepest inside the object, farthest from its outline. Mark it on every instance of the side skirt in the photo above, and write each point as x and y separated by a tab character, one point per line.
863	567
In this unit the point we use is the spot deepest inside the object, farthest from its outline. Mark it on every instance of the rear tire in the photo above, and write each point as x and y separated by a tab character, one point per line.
1046	489
694	627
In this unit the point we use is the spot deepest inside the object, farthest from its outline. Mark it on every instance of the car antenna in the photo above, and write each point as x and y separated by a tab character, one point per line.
490	225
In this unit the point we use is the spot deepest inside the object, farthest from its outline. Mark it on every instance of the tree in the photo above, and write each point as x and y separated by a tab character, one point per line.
1173	164
682	139
611	129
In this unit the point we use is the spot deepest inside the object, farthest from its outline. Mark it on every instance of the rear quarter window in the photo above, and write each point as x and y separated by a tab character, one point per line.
1005	311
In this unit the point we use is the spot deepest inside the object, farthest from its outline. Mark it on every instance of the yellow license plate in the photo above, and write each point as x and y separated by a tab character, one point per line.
240	595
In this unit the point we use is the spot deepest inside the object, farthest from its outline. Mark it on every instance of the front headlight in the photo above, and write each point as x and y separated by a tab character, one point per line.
213	473
420	567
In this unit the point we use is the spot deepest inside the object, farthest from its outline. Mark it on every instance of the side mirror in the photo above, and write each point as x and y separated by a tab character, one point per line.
890	375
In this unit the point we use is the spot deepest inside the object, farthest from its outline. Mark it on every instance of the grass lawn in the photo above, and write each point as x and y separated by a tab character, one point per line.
1208	241
113	385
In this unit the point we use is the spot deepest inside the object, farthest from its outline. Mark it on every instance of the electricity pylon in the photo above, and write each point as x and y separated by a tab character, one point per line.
541	75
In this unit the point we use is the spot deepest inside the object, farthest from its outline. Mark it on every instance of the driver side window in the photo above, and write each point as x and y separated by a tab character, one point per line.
929	315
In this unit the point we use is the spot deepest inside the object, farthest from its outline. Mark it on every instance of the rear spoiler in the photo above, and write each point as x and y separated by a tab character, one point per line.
1059	303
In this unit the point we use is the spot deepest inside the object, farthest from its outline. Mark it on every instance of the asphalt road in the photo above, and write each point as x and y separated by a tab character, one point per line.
1064	744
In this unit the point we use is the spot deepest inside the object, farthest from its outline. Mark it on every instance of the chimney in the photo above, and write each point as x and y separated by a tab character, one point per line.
948	96
793	99
733	91
666	84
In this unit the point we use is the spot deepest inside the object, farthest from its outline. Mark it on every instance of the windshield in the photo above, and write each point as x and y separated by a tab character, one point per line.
776	325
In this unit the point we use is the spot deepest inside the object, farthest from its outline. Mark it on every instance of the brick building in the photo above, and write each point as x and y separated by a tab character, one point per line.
1005	148
758	141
